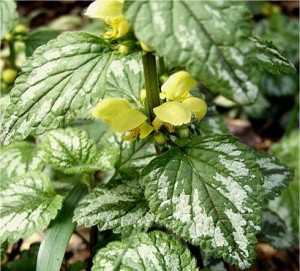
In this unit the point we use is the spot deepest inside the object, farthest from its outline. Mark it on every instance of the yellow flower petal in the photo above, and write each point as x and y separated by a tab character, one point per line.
104	9
197	106
145	130
119	25
173	112
157	123
108	109
127	120
178	85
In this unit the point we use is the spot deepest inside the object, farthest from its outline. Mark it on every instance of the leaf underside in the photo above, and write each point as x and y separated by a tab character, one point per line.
209	192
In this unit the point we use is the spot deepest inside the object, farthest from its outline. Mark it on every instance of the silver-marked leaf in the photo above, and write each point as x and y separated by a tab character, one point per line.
276	175
73	151
212	123
118	205
208	38
270	60
61	82
9	16
18	159
275	231
125	78
133	155
28	204
209	192
145	252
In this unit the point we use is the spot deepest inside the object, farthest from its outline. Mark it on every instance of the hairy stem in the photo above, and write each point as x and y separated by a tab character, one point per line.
151	83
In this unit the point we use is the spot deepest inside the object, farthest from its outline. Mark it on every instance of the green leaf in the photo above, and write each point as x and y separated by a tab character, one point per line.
270	60
125	78
59	232
18	159
261	109
73	151
119	205
133	155
276	175
28	204
287	204
9	16
61	82
275	231
26	260
145	252
38	38
209	192
212	123
208	38
279	86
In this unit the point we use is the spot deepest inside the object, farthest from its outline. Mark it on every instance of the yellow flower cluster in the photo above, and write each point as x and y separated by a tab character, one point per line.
178	109
180	105
111	12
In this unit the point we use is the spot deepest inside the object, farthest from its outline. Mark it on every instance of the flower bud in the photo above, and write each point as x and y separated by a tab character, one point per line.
20	29
9	76
159	138
182	132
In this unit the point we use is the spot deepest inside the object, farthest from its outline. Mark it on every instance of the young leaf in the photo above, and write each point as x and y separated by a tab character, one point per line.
9	16
119	205
18	159
133	155
59	232
209	192
62	81
125	78
275	231
276	175
270	60
28	204
73	151
208	38
145	252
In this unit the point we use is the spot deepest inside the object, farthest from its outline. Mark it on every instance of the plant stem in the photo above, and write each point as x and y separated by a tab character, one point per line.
12	54
151	83
162	67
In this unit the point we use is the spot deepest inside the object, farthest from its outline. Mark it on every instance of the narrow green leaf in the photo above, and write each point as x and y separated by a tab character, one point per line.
276	175
18	159
275	231
269	58
119	205
9	16
145	252
59	232
125	78
208	38
73	151
38	38
61	82
209	192
28	204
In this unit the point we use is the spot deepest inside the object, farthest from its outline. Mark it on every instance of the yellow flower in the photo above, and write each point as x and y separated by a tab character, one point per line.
118	113
173	112
197	106
177	87
111	12
176	113
104	9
